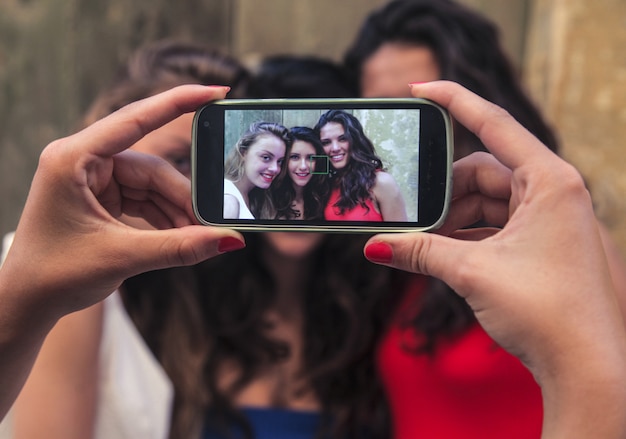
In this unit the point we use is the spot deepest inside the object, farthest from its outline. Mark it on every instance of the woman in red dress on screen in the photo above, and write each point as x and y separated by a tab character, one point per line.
361	190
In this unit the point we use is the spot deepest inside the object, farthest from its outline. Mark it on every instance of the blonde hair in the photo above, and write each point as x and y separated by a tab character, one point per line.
261	204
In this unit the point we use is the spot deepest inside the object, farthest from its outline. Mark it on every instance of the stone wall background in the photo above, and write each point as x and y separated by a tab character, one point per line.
575	68
56	54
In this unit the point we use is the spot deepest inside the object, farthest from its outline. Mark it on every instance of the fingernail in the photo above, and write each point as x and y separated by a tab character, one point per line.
221	87
229	244
411	84
380	252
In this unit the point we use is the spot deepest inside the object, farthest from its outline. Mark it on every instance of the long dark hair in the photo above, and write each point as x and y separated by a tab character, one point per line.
215	313
151	69
315	193
357	179
294	76
467	49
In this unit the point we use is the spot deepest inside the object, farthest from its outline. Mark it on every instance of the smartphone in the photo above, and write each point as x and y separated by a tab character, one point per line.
329	165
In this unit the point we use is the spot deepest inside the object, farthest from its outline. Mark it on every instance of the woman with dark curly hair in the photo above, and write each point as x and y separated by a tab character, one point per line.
449	368
424	40
361	189
301	189
292	336
277	340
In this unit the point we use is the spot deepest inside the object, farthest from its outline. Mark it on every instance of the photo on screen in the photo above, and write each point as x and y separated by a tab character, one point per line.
393	133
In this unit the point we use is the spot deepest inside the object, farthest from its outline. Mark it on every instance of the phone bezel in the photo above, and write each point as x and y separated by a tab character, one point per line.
434	162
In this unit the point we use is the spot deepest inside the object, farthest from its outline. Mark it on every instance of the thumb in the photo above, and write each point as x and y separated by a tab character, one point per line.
424	253
179	246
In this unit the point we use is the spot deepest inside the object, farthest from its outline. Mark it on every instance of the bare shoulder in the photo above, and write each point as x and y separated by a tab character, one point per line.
385	183
231	206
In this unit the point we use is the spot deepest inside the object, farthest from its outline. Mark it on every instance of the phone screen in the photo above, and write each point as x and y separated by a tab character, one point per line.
348	165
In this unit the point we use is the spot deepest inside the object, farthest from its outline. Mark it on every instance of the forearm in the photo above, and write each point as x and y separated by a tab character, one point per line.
617	267
61	391
21	337
586	408
587	397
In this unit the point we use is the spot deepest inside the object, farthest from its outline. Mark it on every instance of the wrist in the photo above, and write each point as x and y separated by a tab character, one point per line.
586	396
23	328
22	317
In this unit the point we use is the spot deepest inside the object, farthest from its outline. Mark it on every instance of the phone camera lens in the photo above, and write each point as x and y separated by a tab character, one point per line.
206	124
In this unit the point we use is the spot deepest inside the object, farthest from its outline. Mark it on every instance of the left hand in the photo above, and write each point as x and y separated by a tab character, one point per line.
70	250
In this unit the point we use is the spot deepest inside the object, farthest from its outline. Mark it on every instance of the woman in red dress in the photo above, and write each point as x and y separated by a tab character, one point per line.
361	190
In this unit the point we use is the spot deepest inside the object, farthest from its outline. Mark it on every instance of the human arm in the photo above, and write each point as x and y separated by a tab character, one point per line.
617	266
62	390
231	207
389	198
69	249
540	286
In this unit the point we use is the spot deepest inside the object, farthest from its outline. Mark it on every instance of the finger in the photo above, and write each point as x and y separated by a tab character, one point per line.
473	208
126	126
142	175
503	136
477	234
158	216
425	253
176	247
481	172
137	203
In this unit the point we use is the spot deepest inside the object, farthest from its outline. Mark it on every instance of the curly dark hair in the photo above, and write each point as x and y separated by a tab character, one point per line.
296	76
151	69
315	193
467	49
356	180
196	319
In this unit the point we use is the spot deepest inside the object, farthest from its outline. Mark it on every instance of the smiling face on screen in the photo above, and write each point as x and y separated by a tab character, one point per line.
300	162
336	144
263	161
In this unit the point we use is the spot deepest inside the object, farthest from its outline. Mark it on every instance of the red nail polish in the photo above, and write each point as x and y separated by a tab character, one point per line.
380	252
229	244
220	87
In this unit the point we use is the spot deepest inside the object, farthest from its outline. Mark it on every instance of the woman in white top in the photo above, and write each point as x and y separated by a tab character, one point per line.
250	168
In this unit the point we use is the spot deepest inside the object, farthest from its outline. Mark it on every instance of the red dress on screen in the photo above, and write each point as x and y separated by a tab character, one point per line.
469	388
357	213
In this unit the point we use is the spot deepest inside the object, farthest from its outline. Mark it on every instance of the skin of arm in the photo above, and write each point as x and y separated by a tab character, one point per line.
540	286
61	391
70	251
617	267
389	198
231	207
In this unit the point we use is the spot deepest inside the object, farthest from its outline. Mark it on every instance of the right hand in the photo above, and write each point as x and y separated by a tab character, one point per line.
540	286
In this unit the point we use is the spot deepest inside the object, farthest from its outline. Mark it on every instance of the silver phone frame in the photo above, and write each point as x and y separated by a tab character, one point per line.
334	228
